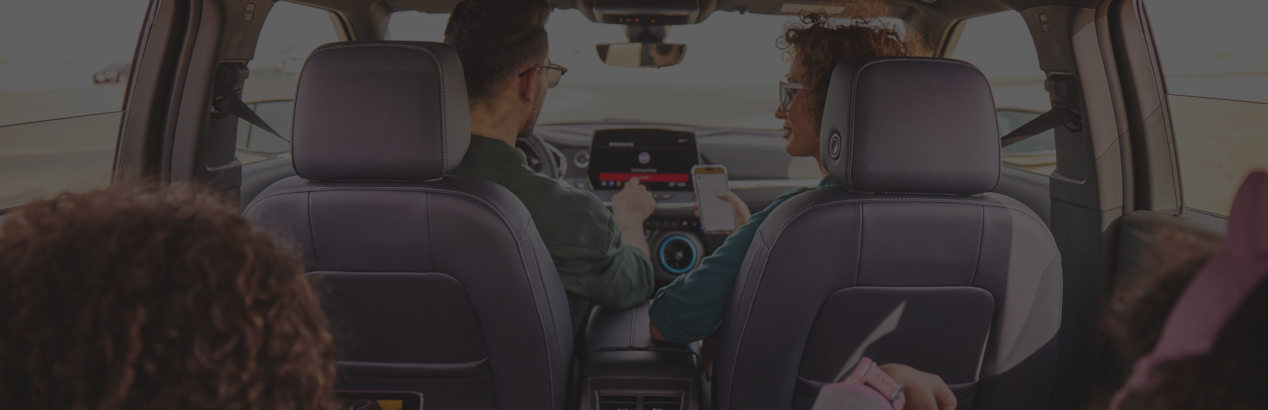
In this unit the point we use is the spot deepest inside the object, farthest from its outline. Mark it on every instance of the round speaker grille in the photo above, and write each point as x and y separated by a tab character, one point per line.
677	254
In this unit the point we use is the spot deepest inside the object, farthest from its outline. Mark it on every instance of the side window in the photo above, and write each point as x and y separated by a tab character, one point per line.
417	26
290	33
64	69
1000	45
1215	65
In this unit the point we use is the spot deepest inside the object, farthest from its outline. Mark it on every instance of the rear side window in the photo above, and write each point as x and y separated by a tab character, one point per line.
64	69
1000	45
290	32
417	26
1215	64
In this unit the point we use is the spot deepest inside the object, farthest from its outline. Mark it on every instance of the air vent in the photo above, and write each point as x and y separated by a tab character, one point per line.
608	402
662	402
640	402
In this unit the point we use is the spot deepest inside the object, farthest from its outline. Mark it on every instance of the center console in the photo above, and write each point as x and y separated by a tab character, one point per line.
661	160
622	368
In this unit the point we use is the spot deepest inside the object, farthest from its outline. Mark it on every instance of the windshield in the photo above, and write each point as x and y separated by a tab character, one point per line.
728	78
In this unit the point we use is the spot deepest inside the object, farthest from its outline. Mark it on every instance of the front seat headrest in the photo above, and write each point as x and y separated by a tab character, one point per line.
910	125
380	111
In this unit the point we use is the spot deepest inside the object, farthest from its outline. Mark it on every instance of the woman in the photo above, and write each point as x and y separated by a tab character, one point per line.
146	297
690	308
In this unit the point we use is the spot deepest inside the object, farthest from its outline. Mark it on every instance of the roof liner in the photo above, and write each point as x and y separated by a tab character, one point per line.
938	10
934	19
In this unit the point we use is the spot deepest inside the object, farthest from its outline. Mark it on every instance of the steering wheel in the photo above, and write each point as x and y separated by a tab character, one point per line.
542	157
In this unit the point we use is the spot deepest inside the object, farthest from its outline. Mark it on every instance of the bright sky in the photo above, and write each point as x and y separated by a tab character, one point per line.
59	44
1221	37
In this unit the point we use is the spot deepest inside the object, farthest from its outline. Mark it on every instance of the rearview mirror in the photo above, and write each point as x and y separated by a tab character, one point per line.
641	54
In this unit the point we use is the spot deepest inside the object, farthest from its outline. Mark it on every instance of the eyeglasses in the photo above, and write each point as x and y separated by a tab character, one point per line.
788	91
552	77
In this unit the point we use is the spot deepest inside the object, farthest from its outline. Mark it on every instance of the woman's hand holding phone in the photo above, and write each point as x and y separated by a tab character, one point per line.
739	209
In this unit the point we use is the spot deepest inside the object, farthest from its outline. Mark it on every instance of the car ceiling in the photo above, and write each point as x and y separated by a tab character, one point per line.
952	9
934	17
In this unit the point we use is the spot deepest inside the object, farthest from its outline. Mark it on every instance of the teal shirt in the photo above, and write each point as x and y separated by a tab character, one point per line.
579	232
690	308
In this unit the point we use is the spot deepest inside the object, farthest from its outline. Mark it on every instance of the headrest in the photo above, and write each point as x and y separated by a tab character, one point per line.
1218	291
910	125
380	111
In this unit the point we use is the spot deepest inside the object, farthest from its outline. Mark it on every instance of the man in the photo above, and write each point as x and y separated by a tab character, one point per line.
602	257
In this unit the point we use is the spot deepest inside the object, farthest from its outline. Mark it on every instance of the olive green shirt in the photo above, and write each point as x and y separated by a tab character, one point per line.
579	232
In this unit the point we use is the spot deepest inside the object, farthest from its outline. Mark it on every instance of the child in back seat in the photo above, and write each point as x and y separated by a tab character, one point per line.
1230	374
1190	320
155	298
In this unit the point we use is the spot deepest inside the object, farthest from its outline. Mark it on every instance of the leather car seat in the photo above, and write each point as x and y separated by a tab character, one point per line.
432	282
911	261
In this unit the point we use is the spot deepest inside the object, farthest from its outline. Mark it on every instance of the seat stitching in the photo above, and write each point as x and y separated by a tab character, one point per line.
854	85
431	238
739	344
981	238
761	274
312	236
858	263
545	335
444	130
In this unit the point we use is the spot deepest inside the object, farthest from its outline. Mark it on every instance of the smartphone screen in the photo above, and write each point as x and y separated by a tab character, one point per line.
715	213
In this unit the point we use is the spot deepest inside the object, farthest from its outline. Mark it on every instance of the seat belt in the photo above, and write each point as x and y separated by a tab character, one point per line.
229	80
234	105
1054	118
1060	89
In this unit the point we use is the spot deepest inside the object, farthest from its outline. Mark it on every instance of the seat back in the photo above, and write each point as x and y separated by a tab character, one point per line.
910	261
432	283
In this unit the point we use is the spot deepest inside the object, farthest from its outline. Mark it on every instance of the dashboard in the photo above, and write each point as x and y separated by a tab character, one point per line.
602	158
660	159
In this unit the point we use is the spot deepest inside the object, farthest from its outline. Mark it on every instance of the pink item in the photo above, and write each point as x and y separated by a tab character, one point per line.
868	383
1218	291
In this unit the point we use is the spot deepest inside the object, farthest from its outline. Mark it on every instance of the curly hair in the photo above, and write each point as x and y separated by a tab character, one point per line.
818	41
1230	376
154	297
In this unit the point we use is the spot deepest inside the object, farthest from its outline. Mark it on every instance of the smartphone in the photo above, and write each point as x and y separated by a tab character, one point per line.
715	213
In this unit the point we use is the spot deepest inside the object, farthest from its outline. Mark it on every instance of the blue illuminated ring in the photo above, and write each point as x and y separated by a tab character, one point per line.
662	253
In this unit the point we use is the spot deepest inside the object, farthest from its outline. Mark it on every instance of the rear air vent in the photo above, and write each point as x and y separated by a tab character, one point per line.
636	401
607	402
662	403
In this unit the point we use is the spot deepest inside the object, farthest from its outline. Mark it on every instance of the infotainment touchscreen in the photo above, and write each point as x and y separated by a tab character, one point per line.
660	159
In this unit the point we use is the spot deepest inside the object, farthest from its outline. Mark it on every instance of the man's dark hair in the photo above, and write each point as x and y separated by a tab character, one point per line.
494	38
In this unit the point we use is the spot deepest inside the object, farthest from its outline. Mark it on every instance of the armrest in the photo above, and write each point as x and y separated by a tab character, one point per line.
630	329
622	362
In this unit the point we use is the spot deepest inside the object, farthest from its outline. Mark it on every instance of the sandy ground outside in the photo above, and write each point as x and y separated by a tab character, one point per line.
1219	142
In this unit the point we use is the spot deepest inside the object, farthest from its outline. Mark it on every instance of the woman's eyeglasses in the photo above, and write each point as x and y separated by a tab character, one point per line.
553	73
788	91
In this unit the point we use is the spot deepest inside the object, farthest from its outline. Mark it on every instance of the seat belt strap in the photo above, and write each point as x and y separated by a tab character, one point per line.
1054	118
234	105
229	80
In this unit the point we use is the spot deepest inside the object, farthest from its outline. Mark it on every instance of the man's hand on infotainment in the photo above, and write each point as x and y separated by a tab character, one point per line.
634	204
631	207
